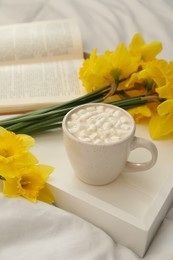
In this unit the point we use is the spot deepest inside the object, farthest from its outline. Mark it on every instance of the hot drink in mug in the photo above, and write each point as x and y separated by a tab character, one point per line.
98	138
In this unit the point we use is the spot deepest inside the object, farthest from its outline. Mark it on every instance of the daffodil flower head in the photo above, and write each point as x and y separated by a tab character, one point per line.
28	182
151	76
14	148
103	70
123	61
96	72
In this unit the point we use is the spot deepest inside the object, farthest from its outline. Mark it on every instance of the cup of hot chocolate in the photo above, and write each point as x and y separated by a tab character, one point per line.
98	138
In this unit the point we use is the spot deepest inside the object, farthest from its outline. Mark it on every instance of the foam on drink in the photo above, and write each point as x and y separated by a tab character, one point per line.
99	124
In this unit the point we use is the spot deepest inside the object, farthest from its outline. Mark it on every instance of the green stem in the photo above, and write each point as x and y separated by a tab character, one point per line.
51	117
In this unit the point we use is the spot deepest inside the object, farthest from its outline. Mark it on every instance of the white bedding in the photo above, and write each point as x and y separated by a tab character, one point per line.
39	231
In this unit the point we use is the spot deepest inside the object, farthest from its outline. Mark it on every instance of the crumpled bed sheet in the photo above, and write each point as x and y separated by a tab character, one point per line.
44	232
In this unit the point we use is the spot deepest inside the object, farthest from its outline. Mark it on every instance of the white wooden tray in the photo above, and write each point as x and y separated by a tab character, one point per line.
130	209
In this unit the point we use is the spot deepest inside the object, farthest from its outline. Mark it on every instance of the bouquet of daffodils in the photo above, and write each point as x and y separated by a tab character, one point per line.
130	77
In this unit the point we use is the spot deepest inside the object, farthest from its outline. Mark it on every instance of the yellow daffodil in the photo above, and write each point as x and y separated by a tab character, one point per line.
14	149
28	182
27	140
123	62
93	74
141	112
166	90
147	52
161	124
107	68
152	75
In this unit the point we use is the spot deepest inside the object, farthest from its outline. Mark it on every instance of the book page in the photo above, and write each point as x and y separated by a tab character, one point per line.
31	86
40	41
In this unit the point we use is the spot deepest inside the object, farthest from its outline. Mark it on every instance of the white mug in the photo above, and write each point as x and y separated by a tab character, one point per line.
100	163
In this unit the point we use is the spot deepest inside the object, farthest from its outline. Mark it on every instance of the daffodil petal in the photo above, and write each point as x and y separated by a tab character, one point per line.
46	195
31	197
137	41
7	171
147	51
2	130
10	187
160	126
44	170
27	140
165	91
27	159
140	112
150	51
165	108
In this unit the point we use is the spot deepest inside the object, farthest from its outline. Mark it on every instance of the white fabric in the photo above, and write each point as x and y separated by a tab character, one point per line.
42	232
39	231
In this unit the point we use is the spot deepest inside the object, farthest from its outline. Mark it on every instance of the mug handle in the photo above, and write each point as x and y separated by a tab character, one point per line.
139	142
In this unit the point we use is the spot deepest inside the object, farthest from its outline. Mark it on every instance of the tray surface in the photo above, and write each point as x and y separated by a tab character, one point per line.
141	187
135	198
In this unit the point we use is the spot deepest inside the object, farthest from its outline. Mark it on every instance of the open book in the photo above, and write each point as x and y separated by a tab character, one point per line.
39	65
